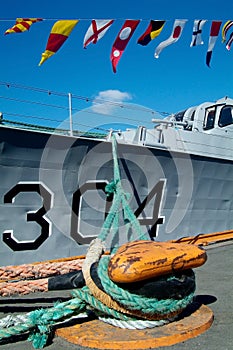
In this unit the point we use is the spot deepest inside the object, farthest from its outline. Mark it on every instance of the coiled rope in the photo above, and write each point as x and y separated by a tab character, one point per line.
112	302
148	308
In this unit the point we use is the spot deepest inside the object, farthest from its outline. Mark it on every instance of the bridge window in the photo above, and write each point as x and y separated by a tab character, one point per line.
209	119
226	116
179	116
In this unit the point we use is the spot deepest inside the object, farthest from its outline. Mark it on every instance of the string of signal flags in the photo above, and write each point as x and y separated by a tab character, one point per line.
62	29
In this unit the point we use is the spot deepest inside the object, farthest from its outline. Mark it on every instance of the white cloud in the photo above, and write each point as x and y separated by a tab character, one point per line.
104	101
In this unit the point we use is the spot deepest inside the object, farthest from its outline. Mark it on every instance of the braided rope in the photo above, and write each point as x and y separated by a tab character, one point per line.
39	322
149	308
93	255
123	301
96	305
120	199
135	324
41	270
23	287
11	320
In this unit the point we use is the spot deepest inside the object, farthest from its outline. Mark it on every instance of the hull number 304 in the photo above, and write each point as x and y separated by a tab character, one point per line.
39	216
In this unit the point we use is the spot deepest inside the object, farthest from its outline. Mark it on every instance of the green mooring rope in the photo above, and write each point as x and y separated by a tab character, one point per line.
120	200
39	323
137	302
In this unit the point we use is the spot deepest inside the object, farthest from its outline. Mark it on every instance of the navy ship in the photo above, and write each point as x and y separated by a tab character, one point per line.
53	202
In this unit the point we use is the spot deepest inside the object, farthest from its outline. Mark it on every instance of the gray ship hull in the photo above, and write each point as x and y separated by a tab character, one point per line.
53	200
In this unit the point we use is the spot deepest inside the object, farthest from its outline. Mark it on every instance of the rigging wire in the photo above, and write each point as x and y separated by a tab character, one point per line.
32	102
74	122
82	19
119	118
88	110
115	19
84	98
33	117
30	117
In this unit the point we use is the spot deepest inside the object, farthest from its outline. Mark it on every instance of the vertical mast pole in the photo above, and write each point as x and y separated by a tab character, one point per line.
70	113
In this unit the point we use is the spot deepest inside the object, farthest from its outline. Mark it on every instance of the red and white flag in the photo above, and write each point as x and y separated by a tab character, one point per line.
122	40
96	31
214	31
178	27
197	31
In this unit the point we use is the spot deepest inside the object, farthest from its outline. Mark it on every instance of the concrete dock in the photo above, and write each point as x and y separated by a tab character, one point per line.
214	288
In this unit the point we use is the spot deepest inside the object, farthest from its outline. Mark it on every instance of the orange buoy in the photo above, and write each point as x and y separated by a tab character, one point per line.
141	260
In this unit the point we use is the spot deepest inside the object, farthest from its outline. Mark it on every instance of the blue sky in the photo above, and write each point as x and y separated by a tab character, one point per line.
179	78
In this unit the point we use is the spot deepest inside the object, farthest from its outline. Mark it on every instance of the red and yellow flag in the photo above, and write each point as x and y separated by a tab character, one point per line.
22	24
58	35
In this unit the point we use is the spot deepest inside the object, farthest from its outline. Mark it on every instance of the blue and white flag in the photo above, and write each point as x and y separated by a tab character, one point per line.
197	31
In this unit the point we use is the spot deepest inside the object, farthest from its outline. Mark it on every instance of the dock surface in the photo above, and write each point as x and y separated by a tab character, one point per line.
214	288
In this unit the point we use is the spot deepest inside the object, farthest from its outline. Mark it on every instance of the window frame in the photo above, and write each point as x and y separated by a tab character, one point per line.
219	119
208	110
